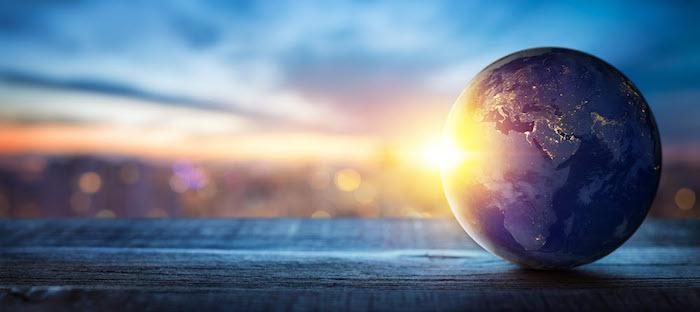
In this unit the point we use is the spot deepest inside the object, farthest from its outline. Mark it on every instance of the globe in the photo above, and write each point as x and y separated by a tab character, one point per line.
559	158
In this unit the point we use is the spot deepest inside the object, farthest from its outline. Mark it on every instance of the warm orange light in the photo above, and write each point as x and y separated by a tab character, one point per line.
320	214
445	155
348	180
90	182
685	198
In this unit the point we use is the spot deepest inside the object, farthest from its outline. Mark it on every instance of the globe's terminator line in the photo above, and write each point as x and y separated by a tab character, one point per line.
560	158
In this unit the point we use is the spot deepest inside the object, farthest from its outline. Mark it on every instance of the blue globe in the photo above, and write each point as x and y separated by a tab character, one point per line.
559	158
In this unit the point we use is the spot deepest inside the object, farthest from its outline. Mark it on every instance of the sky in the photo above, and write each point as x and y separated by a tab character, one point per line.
305	79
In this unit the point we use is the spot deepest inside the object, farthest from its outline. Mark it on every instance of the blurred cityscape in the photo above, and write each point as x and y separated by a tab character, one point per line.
77	186
113	187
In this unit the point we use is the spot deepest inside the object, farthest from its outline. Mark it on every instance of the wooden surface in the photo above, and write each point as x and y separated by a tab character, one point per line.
334	264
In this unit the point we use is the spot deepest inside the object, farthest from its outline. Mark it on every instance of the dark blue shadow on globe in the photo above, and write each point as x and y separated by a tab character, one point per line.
559	158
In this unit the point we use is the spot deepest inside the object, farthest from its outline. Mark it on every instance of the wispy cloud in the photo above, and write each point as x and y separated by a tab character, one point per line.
351	67
110	89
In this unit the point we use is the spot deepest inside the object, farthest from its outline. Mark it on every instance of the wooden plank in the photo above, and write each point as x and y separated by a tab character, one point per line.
345	264
300	234
434	269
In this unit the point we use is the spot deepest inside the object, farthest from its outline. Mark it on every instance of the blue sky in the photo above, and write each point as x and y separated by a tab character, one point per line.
370	69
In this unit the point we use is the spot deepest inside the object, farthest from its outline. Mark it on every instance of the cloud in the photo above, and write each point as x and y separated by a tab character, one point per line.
91	101
351	66
109	88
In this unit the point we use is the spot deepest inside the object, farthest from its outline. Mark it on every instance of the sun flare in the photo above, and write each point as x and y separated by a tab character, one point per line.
444	155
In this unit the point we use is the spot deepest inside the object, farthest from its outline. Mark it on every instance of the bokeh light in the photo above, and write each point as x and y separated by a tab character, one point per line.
685	198
348	180
320	214
105	214
90	182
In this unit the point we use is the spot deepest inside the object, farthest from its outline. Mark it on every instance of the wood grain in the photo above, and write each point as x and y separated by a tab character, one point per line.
335	264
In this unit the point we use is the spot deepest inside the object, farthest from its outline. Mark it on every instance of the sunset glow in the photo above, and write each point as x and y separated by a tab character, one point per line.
170	144
444	154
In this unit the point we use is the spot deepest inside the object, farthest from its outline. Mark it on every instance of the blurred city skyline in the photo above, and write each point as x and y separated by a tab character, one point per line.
353	93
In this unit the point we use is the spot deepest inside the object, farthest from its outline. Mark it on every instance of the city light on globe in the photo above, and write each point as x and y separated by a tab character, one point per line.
551	158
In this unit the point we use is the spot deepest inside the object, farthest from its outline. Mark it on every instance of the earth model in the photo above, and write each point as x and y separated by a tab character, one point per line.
559	158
